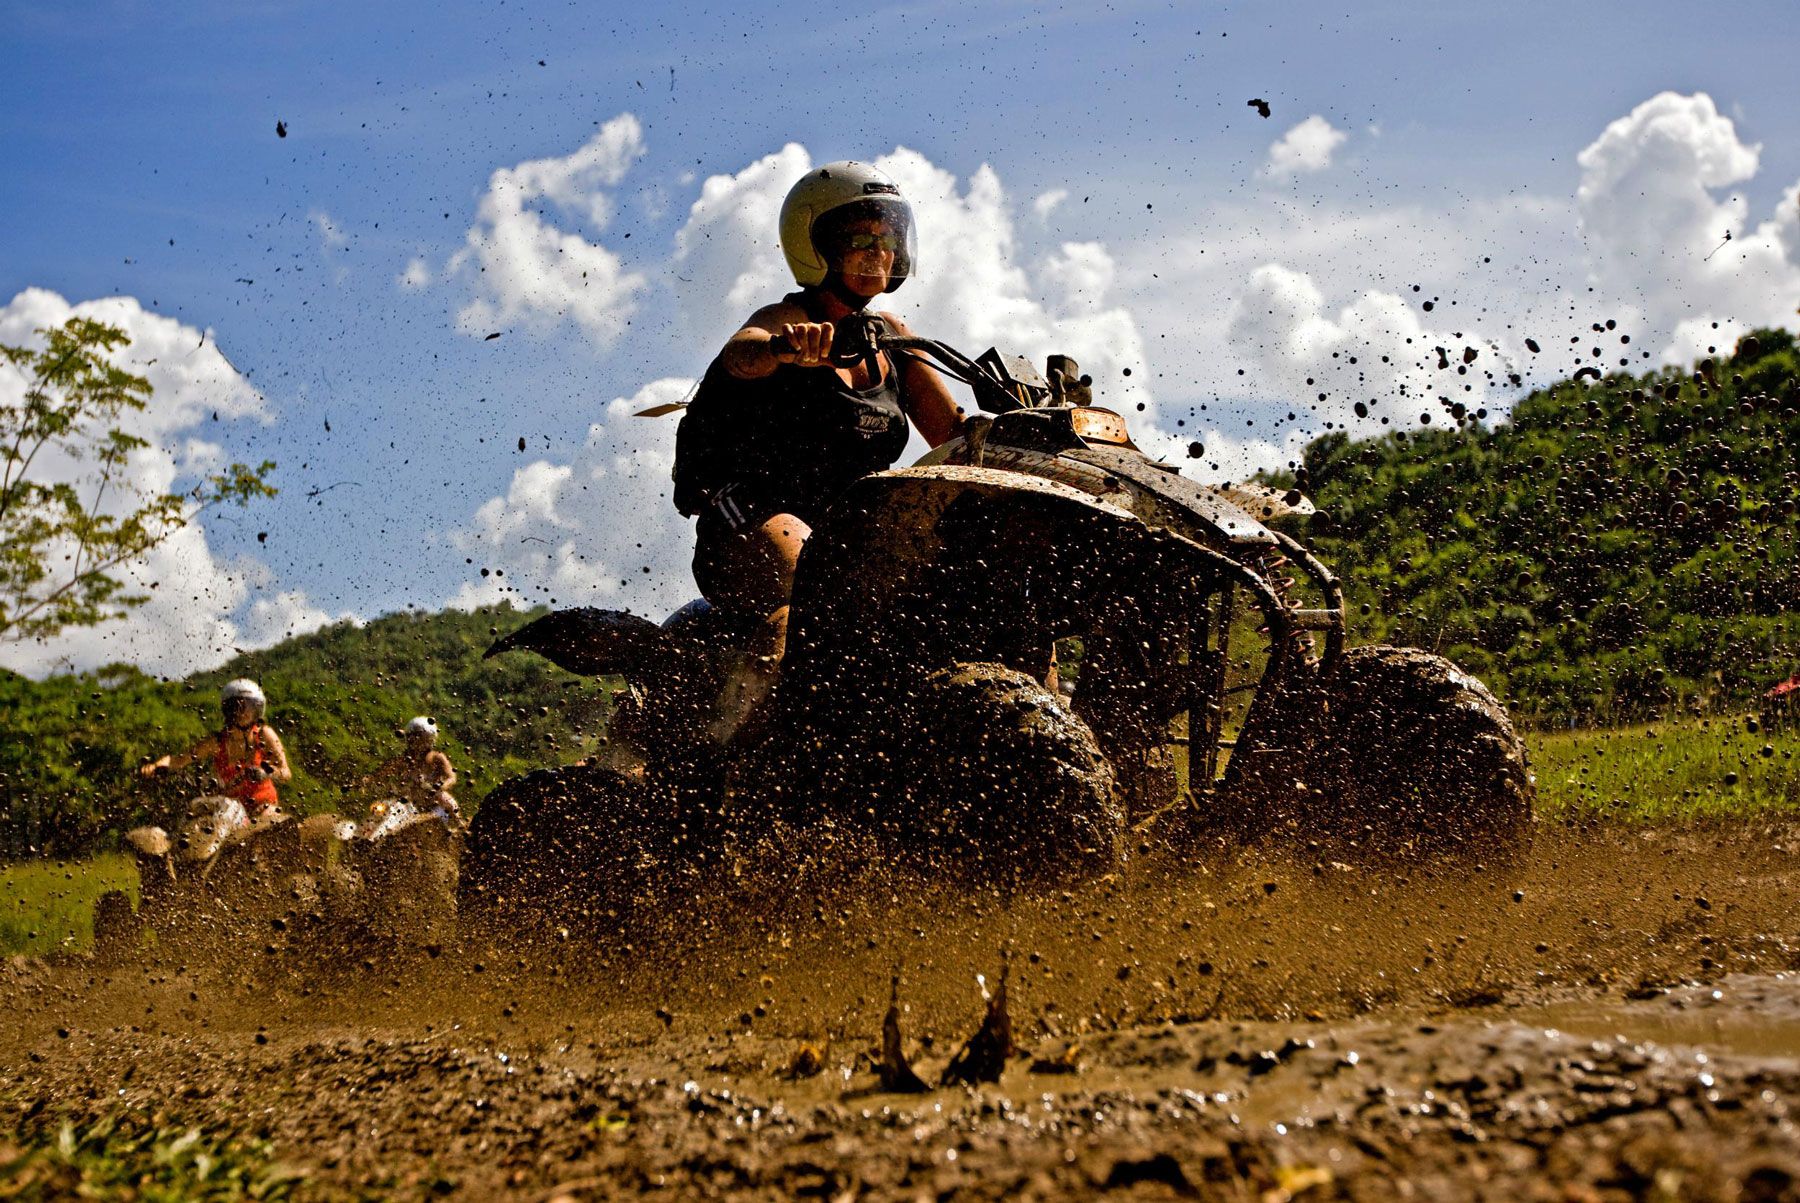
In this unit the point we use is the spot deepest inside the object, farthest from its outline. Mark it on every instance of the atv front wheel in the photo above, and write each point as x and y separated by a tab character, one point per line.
1394	752
1002	780
572	848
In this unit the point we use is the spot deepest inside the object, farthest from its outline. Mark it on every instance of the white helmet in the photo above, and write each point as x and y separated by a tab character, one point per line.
421	726
845	190
243	689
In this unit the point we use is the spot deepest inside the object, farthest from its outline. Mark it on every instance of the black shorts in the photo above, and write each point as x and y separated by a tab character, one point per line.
740	507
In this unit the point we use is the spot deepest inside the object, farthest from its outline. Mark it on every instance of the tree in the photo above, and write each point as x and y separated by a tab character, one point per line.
62	540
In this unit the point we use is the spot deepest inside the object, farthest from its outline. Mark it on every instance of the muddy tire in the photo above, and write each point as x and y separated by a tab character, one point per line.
1005	782
573	850
1395	754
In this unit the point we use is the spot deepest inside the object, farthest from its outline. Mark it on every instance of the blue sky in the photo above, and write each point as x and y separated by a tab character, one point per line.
1431	145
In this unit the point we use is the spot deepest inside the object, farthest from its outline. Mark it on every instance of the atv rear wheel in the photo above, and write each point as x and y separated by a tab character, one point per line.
1002	780
572	848
1394	752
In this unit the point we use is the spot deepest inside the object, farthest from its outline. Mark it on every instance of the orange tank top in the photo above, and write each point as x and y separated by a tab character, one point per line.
257	796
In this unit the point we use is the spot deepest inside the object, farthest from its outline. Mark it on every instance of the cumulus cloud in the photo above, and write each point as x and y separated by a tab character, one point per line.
728	259
188	623
1306	147
331	235
285	614
546	533
969	286
584	532
416	276
1374	352
1045	203
526	269
973	288
1656	230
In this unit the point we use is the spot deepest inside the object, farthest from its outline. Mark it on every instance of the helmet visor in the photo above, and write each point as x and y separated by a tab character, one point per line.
878	228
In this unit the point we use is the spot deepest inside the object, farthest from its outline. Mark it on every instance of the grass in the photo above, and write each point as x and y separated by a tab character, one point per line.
1691	769
48	906
126	1156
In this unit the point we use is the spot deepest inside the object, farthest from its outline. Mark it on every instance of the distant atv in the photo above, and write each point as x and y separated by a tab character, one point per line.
223	879
918	705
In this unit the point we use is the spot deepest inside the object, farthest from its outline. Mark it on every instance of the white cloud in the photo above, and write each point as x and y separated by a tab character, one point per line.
1321	363
331	235
971	290
286	614
524	269
1306	147
728	259
1656	233
1082	272
584	532
416	276
1046	202
187	624
1378	306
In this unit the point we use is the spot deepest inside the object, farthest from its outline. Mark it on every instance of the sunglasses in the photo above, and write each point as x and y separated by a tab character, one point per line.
873	242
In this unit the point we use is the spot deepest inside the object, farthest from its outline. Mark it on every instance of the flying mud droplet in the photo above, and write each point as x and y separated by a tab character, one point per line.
1260	105
281	129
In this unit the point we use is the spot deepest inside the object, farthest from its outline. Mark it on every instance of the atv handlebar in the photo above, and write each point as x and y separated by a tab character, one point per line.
998	387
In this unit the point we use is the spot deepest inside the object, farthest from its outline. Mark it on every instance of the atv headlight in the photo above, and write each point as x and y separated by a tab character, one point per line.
1096	425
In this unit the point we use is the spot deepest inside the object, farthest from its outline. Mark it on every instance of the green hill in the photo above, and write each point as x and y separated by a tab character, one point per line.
1617	547
336	696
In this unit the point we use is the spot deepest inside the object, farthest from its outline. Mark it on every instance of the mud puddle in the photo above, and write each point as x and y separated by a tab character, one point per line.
1618	1019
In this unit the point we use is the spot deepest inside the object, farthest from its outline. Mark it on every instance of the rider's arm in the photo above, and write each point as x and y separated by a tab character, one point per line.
750	355
180	760
278	769
924	396
446	776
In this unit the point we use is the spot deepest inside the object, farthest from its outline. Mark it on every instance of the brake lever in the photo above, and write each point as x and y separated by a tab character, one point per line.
856	340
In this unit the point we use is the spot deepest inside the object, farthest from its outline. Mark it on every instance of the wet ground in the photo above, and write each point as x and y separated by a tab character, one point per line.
1620	1018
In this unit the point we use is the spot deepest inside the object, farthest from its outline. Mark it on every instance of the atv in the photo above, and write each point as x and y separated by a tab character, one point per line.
1030	652
222	881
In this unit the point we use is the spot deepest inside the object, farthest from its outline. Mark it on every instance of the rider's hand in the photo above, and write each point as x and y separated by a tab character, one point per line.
154	768
808	344
255	774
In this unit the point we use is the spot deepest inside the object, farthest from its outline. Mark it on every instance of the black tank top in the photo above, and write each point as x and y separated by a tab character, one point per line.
794	439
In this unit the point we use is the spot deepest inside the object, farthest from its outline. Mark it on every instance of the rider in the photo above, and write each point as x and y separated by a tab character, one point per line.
246	754
419	774
785	431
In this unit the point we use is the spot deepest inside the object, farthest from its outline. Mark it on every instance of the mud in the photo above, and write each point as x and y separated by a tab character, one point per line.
1618	1017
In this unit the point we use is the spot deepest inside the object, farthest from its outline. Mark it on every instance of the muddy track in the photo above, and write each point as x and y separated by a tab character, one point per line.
1619	1020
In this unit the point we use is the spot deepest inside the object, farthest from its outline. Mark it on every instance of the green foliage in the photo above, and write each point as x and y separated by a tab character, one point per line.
1615	549
126	1156
58	551
68	781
